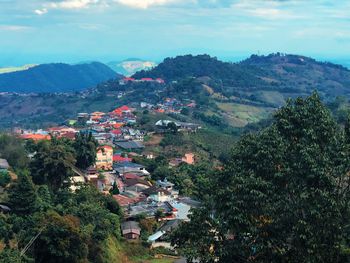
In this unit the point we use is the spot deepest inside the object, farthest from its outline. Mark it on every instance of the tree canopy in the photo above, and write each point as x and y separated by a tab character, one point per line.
283	196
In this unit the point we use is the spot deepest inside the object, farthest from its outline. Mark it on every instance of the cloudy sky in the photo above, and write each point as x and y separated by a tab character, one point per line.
37	31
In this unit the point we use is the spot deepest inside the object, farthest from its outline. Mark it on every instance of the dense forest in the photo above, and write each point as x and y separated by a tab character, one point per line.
283	195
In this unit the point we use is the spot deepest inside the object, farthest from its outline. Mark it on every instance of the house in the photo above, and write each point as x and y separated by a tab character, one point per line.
117	158
35	137
104	157
127	167
136	184
181	126
125	201
175	162
164	231
158	194
91	173
129	145
131	230
165	185
188	158
4	166
148	155
76	181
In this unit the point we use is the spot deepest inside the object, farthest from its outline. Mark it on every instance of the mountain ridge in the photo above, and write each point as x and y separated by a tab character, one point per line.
56	77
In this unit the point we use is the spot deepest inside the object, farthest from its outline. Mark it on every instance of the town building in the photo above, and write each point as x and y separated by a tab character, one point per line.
104	157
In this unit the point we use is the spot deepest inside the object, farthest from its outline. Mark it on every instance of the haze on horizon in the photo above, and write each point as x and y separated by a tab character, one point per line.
41	31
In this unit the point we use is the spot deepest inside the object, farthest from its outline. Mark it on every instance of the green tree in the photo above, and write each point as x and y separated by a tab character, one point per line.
12	150
61	240
22	195
283	196
52	165
11	256
4	178
85	148
114	190
172	127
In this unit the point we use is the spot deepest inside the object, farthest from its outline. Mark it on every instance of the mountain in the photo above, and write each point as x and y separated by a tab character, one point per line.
130	66
267	79
56	77
233	94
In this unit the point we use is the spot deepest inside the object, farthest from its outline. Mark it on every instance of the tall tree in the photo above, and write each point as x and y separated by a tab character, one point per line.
22	195
52	165
283	196
85	148
61	240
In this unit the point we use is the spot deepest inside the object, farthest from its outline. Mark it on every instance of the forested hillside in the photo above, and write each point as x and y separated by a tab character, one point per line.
236	94
56	77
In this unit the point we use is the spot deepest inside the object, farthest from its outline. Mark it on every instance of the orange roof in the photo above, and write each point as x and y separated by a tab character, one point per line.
118	125
35	137
105	147
98	113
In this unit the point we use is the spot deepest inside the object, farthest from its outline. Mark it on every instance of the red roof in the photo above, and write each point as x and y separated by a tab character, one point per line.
117	158
128	79
129	176
69	135
121	109
146	79
116	132
124	200
124	108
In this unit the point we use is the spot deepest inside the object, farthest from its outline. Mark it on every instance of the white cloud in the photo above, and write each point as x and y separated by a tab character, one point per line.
145	3
13	28
41	11
73	4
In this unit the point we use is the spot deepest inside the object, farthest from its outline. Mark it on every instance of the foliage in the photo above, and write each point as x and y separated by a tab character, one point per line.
5	178
22	195
52	165
11	256
61	240
282	197
85	148
114	190
13	151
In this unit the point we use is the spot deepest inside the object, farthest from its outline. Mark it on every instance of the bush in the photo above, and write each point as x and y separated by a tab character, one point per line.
4	178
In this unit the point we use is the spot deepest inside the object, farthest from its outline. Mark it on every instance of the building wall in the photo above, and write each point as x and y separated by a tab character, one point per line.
104	159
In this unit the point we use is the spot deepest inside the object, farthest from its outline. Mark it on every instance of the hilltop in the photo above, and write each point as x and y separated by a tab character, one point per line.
235	94
56	77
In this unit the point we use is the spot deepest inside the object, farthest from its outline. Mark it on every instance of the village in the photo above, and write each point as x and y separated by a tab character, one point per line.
116	171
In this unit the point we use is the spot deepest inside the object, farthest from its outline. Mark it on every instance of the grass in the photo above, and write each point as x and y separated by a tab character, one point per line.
239	115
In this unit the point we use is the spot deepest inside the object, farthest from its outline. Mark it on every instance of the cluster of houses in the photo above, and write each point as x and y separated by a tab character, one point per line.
137	194
114	168
169	105
128	80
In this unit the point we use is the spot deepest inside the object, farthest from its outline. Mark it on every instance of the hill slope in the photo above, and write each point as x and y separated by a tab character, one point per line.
233	94
57	77
266	79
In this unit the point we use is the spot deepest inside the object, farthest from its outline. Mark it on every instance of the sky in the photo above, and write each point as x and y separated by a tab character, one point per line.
72	31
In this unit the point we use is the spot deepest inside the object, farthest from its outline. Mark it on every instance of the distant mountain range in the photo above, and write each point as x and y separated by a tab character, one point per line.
56	77
130	66
236	93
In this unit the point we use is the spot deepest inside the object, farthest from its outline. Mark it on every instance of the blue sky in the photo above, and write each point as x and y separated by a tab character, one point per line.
39	31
